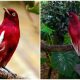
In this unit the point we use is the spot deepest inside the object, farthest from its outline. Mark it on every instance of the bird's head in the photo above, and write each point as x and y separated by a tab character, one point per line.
73	18
11	14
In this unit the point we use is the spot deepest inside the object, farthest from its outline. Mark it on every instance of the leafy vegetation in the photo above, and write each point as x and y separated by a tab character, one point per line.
33	6
54	25
64	62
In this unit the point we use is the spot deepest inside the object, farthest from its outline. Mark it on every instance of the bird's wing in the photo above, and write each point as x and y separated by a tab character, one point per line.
2	46
77	47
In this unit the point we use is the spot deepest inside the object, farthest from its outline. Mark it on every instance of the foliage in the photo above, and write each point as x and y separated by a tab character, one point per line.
30	3
47	33
53	14
43	60
63	62
32	7
54	25
67	39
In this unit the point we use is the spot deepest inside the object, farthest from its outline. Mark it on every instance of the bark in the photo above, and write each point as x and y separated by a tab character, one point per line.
50	48
8	75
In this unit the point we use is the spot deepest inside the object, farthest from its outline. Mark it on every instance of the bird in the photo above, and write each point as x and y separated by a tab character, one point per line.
74	31
9	35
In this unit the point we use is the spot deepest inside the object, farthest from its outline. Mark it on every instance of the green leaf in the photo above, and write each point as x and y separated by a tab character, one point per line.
43	60
34	9
64	62
46	29
67	39
44	2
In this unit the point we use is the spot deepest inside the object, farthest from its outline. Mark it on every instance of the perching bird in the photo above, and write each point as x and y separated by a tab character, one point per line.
74	31
9	36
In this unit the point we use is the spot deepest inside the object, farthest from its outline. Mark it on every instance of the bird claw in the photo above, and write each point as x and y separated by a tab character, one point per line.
14	75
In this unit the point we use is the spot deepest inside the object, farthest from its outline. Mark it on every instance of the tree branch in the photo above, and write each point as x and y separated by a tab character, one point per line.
7	75
50	48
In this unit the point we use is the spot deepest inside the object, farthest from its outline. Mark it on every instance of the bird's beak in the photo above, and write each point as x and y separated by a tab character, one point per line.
6	10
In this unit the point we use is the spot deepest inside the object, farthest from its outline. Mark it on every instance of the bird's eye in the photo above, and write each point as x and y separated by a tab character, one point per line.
13	14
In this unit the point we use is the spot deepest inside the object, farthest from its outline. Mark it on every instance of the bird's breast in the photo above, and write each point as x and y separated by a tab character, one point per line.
11	35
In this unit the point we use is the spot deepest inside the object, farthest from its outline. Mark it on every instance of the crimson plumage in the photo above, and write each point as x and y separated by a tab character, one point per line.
10	32
74	31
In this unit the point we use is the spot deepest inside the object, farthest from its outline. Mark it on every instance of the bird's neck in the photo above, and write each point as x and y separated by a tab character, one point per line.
74	22
10	22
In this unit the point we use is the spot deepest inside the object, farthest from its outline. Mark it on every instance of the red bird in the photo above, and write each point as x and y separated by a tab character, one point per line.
74	31
9	36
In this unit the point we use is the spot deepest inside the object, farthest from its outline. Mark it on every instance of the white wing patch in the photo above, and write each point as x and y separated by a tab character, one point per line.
76	47
2	36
